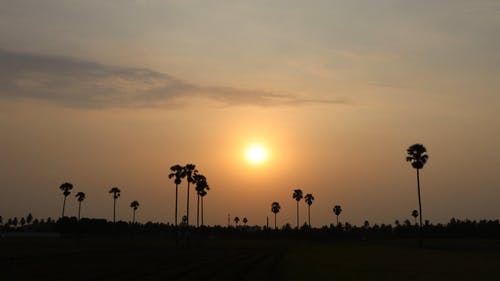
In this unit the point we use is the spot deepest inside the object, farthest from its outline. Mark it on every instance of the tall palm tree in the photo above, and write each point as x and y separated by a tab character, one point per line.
177	172
201	187
309	198
190	171
116	193
80	196
337	210
297	195
414	214
66	189
134	205
275	208
417	156
236	220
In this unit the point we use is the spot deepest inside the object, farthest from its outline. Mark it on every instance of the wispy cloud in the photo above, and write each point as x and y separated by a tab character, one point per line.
86	84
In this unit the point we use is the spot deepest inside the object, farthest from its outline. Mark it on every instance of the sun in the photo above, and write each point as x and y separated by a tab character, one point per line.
256	154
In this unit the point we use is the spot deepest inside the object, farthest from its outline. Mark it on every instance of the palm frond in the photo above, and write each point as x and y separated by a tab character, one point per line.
66	186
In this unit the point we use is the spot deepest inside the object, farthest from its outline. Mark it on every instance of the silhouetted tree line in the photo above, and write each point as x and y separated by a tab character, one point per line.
85	226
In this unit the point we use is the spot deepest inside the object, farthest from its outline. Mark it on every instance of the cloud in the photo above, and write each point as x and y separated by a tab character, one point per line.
86	84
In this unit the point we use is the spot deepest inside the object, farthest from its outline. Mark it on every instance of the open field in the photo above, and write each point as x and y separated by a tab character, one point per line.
105	259
395	260
157	259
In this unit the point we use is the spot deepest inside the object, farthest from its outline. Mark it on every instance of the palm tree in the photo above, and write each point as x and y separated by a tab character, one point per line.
366	224
236	220
297	195
80	196
177	172
29	219
337	210
417	157
414	214
116	193
245	220
201	187
275	208
309	198
198	179
65	187
134	205
190	171
184	221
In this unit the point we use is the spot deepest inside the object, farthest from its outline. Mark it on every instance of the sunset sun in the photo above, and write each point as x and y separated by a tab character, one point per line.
256	154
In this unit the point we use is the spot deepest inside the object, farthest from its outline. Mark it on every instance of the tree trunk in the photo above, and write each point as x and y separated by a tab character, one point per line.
187	212
176	193
198	211
114	210
297	214
309	214
275	221
419	200
337	220
133	216
202	223
79	208
420	209
64	206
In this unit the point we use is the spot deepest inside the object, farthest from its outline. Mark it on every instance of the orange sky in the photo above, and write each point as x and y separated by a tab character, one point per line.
114	94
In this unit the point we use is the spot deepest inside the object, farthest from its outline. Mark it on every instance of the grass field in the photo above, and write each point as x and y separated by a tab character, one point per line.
156	259
395	260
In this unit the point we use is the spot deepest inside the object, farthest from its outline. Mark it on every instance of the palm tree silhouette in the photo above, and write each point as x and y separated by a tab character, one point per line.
236	220
201	187
29	219
245	220
134	205
65	187
198	178
275	208
366	224
80	196
417	157
116	193
309	198
177	172
183	221
337	210
297	195
414	214
190	171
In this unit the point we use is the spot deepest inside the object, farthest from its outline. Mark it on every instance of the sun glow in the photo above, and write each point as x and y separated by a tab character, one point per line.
256	154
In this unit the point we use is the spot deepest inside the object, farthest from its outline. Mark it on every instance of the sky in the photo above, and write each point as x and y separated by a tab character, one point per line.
113	93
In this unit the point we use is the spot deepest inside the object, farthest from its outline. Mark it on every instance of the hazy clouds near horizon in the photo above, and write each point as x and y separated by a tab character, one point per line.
113	93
